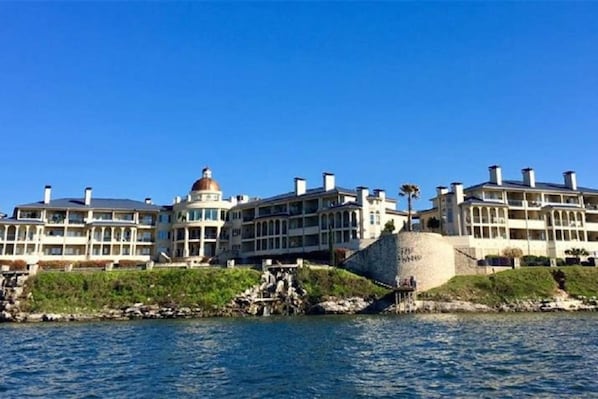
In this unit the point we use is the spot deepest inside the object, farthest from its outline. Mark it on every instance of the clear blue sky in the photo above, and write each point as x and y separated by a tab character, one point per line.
134	98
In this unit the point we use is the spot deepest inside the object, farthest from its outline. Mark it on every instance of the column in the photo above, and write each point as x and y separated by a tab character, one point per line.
202	237
186	243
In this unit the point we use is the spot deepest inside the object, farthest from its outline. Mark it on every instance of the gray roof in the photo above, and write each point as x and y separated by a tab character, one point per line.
96	203
540	186
312	192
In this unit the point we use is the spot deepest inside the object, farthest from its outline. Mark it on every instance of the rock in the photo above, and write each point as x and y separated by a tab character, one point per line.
451	307
342	306
35	317
52	317
6	316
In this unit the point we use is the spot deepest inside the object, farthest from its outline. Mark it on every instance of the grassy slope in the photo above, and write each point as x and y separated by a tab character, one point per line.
519	284
90	292
320	283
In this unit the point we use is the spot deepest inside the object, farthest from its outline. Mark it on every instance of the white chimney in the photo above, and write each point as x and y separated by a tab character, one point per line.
457	189
177	199
148	201
362	195
379	193
529	177
441	190
328	181
300	186
87	200
47	194
495	174
570	180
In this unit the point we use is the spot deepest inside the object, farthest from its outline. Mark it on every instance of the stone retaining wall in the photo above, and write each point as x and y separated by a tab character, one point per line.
426	256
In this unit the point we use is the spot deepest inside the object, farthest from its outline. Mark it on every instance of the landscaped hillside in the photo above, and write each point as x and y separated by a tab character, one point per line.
92	291
338	283
518	284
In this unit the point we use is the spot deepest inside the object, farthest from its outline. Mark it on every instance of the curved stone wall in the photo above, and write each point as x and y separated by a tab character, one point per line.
428	257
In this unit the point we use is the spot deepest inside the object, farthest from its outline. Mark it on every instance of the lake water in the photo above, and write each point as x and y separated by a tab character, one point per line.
509	355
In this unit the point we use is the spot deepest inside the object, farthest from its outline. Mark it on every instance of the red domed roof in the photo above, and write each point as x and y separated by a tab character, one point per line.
206	182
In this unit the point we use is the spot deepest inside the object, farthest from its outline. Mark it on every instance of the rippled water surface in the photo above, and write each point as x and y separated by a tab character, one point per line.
515	355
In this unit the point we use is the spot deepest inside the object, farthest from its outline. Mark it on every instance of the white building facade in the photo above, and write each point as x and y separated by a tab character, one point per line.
542	219
310	220
200	227
79	229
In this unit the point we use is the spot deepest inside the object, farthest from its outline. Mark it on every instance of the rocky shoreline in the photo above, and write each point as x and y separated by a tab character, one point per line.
331	306
277	294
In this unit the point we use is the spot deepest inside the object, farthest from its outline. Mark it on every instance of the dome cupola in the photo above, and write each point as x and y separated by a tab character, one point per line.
206	183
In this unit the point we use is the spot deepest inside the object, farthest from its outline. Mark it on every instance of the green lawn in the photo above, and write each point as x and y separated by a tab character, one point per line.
93	291
320	283
518	284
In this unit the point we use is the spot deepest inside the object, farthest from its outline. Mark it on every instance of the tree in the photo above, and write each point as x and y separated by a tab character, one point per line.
411	191
577	253
433	223
389	227
512	252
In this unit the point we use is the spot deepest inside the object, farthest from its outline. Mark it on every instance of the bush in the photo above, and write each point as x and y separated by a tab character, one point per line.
128	263
93	263
496	260
52	264
18	264
532	260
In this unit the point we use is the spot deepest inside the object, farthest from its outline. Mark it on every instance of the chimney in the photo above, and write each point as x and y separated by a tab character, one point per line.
529	177
362	195
177	199
379	193
495	174
87	200
457	189
441	190
300	186
570	180
47	194
328	181
148	200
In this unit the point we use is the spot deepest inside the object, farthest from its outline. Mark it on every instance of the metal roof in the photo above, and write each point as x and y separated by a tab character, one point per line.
540	186
96	203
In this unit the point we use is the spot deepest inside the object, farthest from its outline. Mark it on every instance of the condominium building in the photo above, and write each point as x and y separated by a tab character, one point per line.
539	218
75	229
193	228
200	226
311	220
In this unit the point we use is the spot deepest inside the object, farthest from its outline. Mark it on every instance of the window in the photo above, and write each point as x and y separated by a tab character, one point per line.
164	218
194	215
147	219
163	235
211	214
30	215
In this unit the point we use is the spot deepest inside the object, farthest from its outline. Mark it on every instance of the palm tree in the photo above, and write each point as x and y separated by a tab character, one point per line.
411	191
577	253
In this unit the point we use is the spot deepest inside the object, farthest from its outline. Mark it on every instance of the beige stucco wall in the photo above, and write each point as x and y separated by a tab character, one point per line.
426	256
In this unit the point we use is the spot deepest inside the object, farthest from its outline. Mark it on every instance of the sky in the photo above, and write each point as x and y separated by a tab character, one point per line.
135	98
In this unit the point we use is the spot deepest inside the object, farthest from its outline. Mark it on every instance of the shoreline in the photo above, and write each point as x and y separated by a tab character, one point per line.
349	306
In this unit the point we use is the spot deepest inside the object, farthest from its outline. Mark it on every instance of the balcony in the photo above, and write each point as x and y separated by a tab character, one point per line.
516	203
